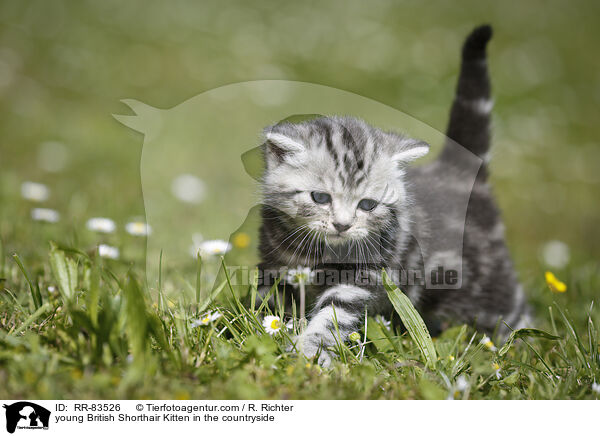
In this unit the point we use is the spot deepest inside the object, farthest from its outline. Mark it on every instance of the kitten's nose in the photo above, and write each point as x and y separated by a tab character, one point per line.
341	227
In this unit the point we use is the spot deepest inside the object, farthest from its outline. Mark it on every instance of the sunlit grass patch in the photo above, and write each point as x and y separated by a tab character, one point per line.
104	334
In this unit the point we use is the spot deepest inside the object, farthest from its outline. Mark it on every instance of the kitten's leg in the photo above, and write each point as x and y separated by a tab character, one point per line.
346	304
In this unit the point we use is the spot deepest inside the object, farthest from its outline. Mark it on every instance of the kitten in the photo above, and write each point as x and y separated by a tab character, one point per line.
339	198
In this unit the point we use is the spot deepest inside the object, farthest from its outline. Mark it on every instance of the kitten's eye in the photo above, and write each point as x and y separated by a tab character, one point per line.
320	197
367	204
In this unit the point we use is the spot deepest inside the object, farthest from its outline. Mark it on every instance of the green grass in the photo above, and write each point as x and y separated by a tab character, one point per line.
100	335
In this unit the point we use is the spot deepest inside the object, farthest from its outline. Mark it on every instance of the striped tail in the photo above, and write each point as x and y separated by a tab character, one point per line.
469	124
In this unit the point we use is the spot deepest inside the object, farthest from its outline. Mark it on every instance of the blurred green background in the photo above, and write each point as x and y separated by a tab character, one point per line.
65	65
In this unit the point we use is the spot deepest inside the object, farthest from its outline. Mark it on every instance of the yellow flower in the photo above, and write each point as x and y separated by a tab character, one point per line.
554	284
451	358
241	240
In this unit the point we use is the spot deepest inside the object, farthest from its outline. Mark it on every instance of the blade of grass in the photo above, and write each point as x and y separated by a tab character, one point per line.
161	304
525	333
34	289
65	272
15	301
31	318
412	321
593	342
361	353
136	319
267	297
2	260
582	352
198	277
93	294
236	299
254	289
238	306
555	330
539	356
338	337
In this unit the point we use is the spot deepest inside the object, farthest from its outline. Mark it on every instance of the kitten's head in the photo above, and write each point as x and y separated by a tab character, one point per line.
338	177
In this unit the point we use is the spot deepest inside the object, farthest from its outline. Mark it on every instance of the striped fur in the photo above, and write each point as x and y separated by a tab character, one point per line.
469	124
322	177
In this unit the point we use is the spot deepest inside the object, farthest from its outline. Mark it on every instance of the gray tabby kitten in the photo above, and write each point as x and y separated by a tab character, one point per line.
339	198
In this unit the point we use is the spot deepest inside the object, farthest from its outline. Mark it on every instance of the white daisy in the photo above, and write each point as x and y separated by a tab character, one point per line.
52	289
272	324
296	275
101	225
34	191
497	371
206	319
460	386
108	251
188	188
46	215
384	322
596	388
214	247
138	228
488	343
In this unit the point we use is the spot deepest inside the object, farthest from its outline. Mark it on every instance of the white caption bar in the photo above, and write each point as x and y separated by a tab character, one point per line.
22	417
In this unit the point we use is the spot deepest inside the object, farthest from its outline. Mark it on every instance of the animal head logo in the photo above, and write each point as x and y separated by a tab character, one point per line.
24	414
196	187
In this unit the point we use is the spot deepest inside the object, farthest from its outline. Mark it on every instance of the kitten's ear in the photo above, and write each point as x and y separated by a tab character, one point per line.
410	149
280	147
283	143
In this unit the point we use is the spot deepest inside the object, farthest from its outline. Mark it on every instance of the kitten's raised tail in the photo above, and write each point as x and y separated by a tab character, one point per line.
469	124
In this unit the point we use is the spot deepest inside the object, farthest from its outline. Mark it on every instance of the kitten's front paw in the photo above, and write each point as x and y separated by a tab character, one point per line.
310	346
